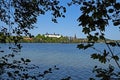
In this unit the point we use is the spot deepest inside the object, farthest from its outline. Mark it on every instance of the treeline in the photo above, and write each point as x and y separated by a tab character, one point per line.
63	39
43	39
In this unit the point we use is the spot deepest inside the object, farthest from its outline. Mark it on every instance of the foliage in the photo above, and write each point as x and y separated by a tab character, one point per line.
106	74
17	18
96	16
42	39
63	39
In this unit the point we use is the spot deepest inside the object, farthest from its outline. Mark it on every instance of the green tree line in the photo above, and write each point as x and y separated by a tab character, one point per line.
40	38
63	39
43	39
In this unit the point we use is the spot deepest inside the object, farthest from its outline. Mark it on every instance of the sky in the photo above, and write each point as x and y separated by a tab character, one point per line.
68	26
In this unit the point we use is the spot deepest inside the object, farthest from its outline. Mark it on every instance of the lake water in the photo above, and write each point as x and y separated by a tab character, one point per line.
70	60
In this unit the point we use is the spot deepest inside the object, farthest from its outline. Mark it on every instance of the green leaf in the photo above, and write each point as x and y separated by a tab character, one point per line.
95	38
9	74
105	53
116	58
91	79
116	23
28	60
101	58
86	30
111	10
95	56
16	72
82	46
117	6
22	59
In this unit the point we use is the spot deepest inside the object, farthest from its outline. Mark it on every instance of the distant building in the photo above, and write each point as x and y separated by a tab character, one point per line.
53	35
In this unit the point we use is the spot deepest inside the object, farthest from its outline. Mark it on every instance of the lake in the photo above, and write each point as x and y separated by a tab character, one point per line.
70	60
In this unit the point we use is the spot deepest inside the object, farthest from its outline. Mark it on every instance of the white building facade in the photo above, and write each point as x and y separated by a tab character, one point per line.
53	35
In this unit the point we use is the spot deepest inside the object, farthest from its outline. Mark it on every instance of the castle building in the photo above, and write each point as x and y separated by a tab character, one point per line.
53	35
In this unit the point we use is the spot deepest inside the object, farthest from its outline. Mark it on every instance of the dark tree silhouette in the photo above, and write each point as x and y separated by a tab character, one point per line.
17	18
96	16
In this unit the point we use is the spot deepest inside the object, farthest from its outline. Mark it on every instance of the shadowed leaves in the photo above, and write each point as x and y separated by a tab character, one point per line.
101	57
82	46
96	16
106	74
19	16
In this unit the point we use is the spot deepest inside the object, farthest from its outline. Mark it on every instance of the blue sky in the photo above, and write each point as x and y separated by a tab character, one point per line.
68	26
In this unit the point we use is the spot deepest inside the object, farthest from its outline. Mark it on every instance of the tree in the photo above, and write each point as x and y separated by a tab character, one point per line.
96	16
18	17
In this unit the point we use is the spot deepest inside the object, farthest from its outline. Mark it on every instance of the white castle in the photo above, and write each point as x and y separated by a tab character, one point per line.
53	35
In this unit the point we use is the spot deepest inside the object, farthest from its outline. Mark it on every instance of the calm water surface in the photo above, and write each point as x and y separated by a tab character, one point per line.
71	61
